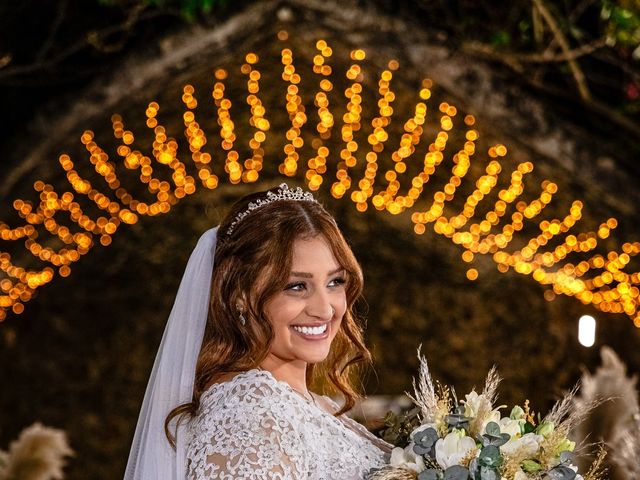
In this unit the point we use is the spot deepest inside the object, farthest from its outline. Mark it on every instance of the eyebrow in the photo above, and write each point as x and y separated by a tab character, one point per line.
310	275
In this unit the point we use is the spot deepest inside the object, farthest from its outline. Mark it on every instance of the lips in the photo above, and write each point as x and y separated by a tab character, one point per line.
314	331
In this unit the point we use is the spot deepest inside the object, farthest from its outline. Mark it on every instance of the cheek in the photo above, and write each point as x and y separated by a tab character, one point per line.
282	311
342	305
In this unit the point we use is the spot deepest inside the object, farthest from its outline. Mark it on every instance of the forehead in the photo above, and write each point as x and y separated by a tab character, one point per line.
313	253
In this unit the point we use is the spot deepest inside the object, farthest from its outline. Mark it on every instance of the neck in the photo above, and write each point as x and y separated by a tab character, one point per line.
292	372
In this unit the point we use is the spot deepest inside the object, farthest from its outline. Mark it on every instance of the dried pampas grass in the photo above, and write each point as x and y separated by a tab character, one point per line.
38	454
424	396
626	456
613	421
392	473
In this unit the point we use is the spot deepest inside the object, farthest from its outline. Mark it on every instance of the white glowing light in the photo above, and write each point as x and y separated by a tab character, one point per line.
587	330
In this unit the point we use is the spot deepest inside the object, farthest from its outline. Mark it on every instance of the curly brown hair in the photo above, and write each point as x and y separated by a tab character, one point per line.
261	246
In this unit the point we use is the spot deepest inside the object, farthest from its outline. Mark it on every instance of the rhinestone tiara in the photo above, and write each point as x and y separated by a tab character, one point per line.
283	193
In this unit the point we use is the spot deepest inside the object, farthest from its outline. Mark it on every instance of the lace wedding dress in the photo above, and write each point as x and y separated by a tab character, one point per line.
256	427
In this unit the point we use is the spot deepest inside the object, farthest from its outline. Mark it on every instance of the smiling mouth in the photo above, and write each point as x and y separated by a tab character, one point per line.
320	330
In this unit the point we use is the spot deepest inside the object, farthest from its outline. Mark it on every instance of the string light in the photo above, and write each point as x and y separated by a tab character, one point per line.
557	257
587	331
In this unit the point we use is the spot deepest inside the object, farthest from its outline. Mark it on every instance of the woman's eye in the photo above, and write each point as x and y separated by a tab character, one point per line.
295	287
337	282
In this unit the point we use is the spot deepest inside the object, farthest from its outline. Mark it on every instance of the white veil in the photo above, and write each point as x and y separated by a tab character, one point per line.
171	381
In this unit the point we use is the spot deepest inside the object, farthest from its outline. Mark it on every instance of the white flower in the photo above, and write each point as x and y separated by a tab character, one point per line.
512	427
451	449
526	446
472	404
407	458
520	475
494	416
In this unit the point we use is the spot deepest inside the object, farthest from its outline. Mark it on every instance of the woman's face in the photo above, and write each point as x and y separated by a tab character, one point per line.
306	315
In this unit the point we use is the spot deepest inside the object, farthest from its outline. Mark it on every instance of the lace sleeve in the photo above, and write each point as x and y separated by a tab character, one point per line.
256	437
358	428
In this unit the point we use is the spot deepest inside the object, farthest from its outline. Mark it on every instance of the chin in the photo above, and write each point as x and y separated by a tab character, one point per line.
315	357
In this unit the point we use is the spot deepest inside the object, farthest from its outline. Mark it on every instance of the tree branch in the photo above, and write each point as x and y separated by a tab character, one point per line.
606	112
53	30
544	57
577	72
94	39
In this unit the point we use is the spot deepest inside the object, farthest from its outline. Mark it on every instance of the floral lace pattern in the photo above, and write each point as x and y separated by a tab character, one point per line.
256	427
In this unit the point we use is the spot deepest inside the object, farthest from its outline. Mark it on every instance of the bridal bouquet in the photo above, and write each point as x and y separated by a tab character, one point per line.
471	439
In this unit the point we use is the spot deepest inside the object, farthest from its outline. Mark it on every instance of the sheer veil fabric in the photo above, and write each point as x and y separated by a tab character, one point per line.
171	381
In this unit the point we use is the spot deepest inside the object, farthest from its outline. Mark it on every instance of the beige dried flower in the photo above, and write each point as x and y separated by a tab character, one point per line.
393	473
37	454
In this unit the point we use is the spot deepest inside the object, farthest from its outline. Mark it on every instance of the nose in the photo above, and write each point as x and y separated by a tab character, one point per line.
319	306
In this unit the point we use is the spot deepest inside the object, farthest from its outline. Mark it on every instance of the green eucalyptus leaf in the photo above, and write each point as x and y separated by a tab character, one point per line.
493	436
488	473
490	457
456	472
425	442
430	474
561	472
474	469
458	421
493	428
566	456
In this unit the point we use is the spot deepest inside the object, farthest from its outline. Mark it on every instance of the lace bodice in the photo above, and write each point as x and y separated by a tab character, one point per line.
256	427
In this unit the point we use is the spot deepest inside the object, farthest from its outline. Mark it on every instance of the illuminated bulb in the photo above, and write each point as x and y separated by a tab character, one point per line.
587	331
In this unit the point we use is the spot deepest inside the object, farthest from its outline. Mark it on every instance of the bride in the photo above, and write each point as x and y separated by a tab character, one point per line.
250	330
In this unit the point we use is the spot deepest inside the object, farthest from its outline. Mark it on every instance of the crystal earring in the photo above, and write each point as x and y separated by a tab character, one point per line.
241	316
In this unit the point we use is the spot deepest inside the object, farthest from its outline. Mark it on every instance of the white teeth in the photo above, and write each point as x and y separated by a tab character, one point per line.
311	330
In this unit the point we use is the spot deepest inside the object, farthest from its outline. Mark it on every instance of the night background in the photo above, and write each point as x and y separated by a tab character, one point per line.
556	83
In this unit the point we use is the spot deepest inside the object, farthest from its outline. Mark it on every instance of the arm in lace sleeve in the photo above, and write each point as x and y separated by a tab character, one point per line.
358	428
258	439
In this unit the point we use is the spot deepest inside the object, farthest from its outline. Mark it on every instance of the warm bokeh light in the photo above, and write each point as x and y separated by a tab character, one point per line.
587	331
556	256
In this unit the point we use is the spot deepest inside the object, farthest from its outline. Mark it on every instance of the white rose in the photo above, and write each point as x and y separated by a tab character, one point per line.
451	449
407	458
527	445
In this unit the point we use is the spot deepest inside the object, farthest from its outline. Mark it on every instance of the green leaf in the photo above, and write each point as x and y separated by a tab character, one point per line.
430	474
490	457
561	473
501	39
456	472
493	428
487	473
531	466
425	442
